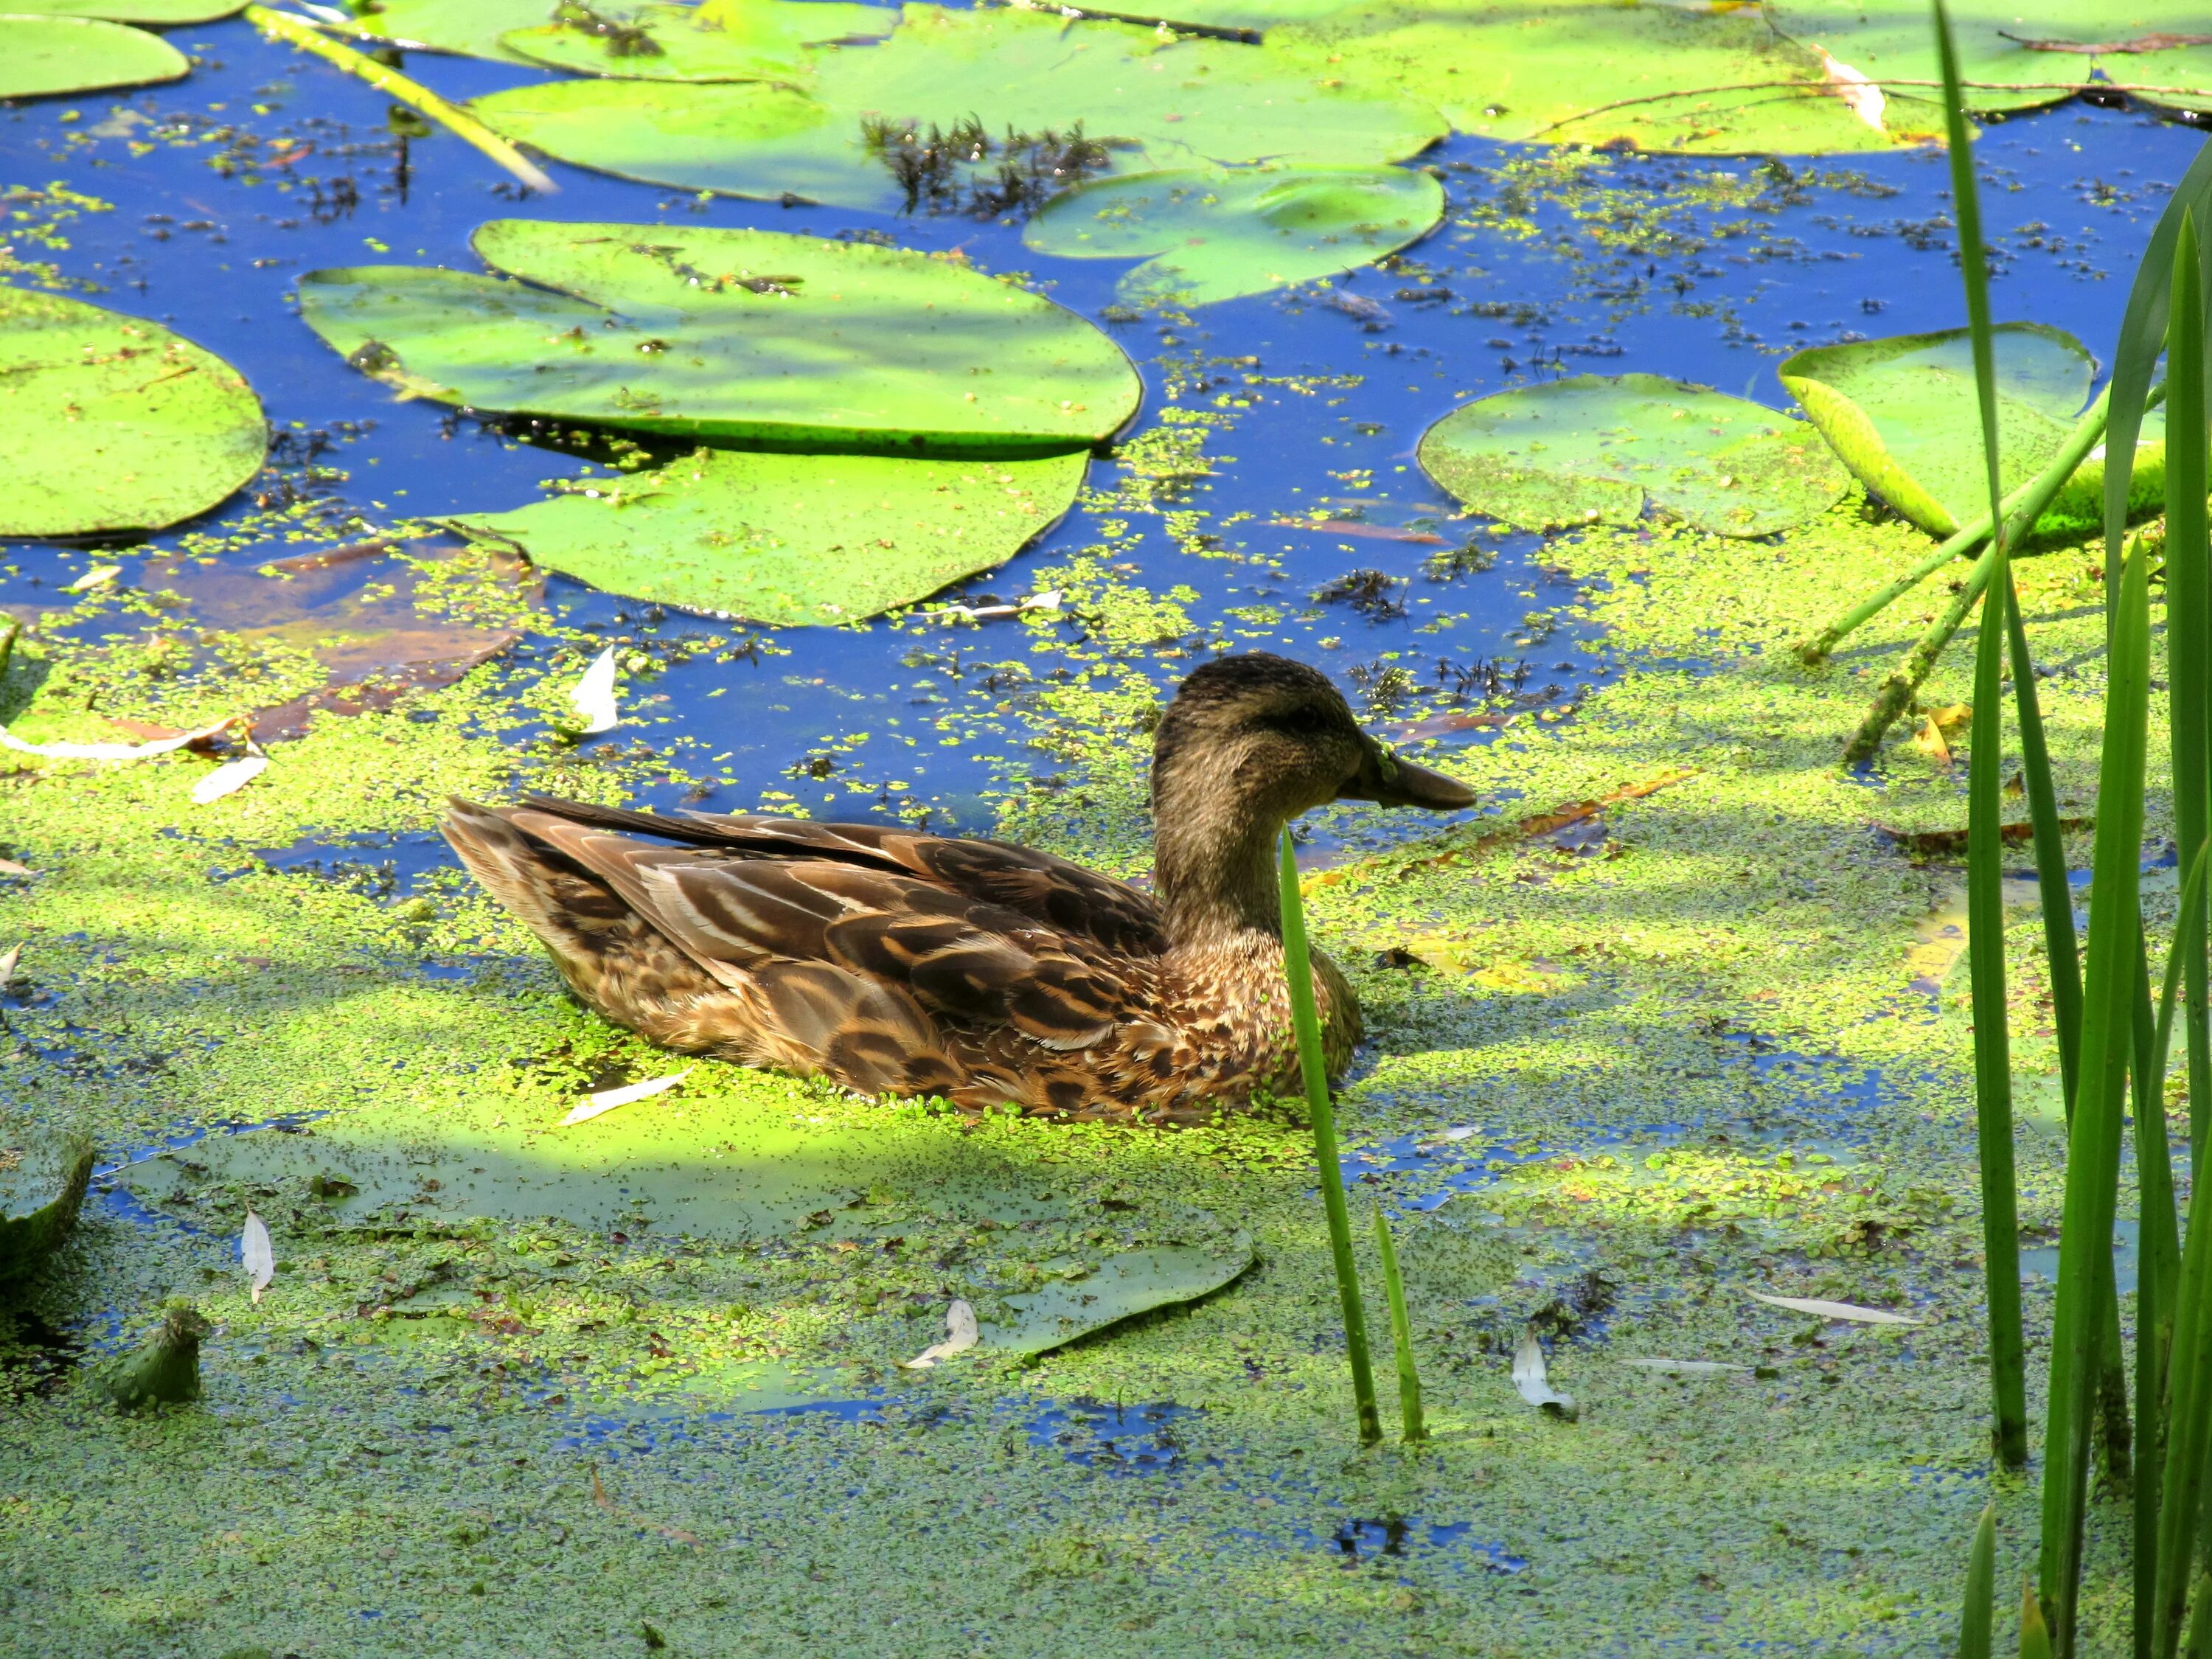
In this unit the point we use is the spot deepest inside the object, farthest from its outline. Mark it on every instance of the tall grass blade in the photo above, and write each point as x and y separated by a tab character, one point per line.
2034	1634
2059	941
1413	1427
2094	1138
1297	968
1979	1615
2189	622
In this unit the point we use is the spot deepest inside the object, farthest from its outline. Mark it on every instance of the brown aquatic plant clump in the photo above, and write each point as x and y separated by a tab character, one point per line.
950	170
167	1370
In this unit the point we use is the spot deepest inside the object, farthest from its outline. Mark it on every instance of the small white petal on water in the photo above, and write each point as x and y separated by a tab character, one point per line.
1815	1305
960	1335
254	1250
9	958
110	751
9	867
99	576
1860	95
1686	1367
607	1099
1530	1376
228	778
1047	600
594	695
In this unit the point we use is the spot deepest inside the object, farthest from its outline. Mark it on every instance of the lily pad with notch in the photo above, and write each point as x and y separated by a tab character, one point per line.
792	539
1216	235
1119	1287
1595	448
733	334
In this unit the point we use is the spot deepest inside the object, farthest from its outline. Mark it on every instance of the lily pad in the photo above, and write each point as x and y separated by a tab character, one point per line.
153	13
1903	413
1215	235
1120	1287
1595	448
42	1188
1158	104
725	334
112	422
467	28
790	540
720	40
46	56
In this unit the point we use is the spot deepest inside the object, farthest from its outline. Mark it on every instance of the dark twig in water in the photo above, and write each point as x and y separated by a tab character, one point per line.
1374	594
941	171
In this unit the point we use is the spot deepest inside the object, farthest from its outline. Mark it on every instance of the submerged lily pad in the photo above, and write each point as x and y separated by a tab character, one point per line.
1903	413
1188	103
112	422
1216	234
720	40
46	56
1120	1287
1593	448
792	539
42	1188
733	334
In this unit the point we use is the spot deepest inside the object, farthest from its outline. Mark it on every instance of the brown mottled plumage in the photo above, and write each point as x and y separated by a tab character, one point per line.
913	964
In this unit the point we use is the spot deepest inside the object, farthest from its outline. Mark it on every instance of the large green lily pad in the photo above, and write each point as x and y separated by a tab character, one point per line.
792	539
1215	235
155	13
1163	104
42	1185
1119	1287
720	40
468	28
725	334
1595	448
46	57
112	422
1903	413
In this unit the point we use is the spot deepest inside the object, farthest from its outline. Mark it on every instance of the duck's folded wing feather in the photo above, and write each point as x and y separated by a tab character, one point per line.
1077	901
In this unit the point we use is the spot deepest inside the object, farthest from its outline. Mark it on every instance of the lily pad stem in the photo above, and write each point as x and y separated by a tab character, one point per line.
299	31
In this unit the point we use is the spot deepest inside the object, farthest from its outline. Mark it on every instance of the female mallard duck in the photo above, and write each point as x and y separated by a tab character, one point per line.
913	964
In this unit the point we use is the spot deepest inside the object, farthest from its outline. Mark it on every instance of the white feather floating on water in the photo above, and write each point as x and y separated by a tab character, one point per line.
607	1099
961	1333
594	695
9	867
1861	95
112	751
100	576
228	778
1534	1380
255	1251
9	958
1825	1309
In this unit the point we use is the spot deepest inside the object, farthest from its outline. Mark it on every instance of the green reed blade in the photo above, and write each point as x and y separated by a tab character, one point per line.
2059	942
1414	1427
2034	1635
1985	948
2189	625
1297	968
2200	1621
1973	259
2093	1141
2188	1436
1978	1614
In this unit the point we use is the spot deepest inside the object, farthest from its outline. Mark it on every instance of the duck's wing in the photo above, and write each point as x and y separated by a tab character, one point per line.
1066	897
966	961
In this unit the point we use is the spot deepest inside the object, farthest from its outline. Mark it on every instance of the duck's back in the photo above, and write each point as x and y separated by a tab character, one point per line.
893	961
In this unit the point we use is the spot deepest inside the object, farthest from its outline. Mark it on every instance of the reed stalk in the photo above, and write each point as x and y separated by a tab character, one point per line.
1414	1428
301	33
1297	968
1979	1613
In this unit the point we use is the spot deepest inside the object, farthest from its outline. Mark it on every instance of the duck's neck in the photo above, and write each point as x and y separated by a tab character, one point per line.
1213	862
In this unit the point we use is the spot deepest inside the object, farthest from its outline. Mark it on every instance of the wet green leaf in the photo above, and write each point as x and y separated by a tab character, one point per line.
112	422
44	57
1163	105
1595	448
153	13
733	334
793	539
1119	1287
1901	413
42	1188
721	40
1215	235
470	28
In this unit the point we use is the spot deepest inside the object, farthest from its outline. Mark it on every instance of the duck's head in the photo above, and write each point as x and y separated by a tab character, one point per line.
1250	743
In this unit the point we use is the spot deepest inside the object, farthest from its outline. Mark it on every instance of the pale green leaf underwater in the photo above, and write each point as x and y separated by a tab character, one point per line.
1593	448
790	540
43	57
1216	235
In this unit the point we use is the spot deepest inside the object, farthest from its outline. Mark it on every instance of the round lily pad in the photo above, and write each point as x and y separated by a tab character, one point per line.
112	422
1215	235
46	57
468	28
720	40
1156	106
1596	447
734	334
1903	413
792	539
155	14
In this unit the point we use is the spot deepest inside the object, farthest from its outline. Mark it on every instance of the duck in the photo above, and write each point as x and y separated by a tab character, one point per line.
987	975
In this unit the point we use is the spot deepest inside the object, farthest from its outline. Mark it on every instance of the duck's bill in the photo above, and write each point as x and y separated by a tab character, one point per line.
1388	780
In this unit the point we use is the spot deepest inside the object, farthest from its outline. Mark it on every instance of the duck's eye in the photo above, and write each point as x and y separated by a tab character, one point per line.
1306	722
